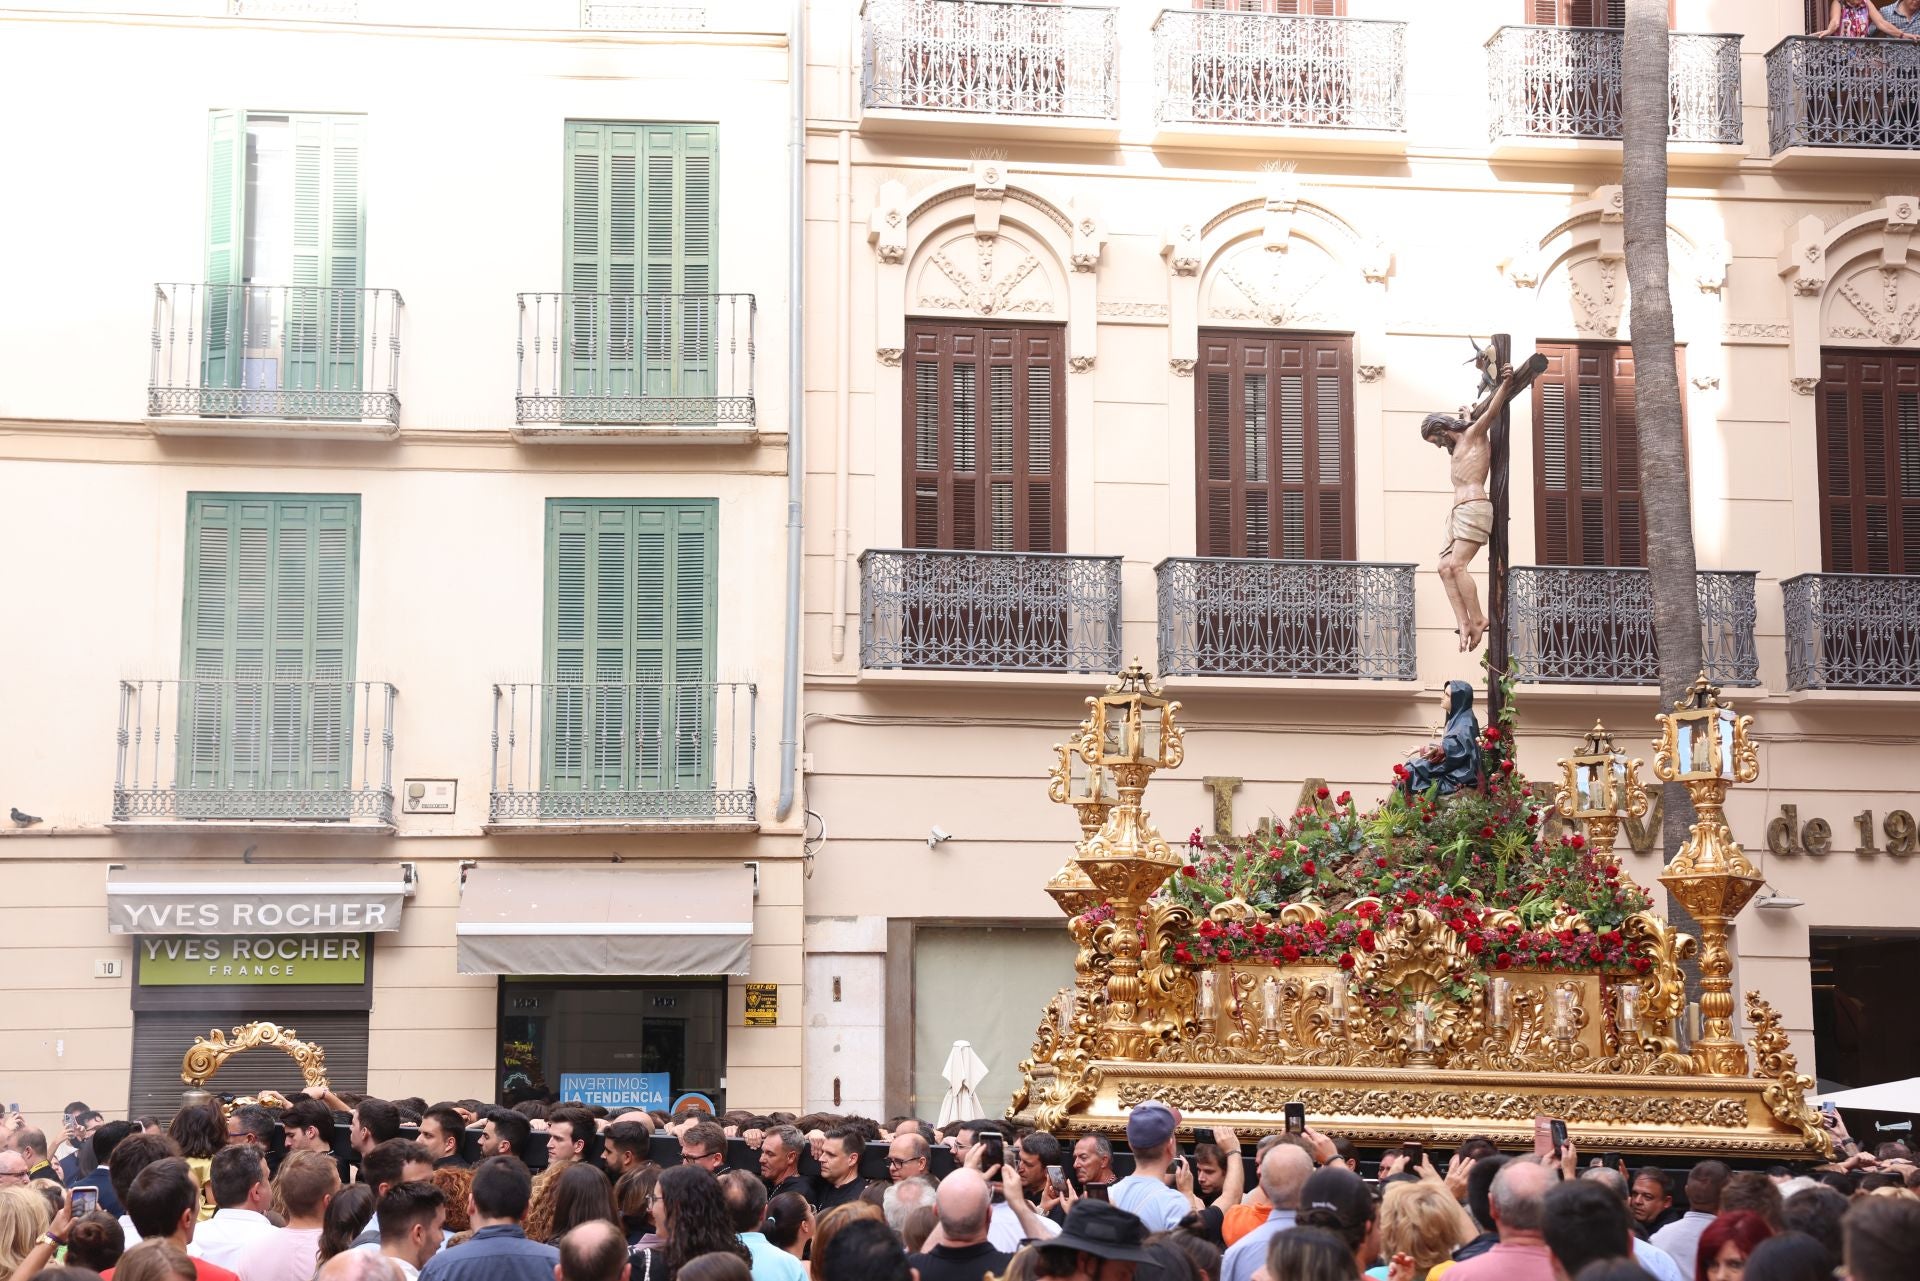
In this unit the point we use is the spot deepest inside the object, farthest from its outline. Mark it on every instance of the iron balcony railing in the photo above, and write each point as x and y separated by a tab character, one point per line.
1593	625
994	57
1843	93
275	351
335	10
242	749
988	611
668	360
1286	70
1224	616
1853	631
613	15
623	752
1564	82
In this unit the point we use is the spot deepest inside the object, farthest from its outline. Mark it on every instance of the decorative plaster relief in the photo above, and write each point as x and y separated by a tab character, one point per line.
1278	289
1754	331
1080	364
1805	386
983	276
887	228
1706	382
1181	249
1130	309
1371	373
1182	366
1591	292
1878	304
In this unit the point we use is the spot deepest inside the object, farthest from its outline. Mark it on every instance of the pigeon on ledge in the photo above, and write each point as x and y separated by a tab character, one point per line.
23	818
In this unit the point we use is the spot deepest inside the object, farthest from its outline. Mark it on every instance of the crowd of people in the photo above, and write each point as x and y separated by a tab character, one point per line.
407	1191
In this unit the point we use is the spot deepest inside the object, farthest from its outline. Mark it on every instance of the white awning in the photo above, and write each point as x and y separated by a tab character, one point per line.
256	898
518	918
1888	1096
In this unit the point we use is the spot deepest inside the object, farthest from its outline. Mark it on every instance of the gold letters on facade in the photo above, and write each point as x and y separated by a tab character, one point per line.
1232	1042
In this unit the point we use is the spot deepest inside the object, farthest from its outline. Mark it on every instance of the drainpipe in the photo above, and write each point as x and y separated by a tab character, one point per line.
796	399
842	432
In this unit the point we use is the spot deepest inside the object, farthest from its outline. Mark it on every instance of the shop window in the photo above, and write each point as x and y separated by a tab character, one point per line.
1863	1032
672	1030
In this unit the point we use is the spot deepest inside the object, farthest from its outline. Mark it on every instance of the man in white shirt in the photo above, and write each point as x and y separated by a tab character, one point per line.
1681	1238
242	1193
1145	1193
412	1216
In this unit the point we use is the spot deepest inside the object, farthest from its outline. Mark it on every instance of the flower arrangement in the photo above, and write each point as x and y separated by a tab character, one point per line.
1477	860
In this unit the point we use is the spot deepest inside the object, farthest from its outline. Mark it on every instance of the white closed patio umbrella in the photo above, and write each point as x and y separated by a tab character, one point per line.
964	1072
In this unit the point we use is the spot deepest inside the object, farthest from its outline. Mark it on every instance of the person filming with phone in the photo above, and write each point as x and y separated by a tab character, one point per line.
1146	1192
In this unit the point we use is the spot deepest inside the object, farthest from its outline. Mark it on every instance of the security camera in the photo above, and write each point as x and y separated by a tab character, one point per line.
937	835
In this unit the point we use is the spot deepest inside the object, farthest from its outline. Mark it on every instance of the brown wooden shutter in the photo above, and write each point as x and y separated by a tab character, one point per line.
1587	508
1867	416
986	438
1579	13
1274	428
1318	8
1816	14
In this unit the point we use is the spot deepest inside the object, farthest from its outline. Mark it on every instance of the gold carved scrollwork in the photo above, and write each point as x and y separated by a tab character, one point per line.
206	1055
1395	1102
1786	1096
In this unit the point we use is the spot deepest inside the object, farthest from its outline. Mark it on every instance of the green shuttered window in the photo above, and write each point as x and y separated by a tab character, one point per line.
641	237
268	648
630	620
284	276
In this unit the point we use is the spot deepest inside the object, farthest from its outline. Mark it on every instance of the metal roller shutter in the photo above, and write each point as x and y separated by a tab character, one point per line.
162	1037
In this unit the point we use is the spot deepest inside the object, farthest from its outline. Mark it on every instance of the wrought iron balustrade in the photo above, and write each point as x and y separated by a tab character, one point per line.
1853	631
1564	82
1223	616
1593	625
1843	93
671	360
239	749
616	15
995	57
623	752
275	351
989	611
1215	67
334	10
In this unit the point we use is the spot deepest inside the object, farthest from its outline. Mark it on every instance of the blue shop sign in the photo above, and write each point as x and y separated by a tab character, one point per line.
616	1089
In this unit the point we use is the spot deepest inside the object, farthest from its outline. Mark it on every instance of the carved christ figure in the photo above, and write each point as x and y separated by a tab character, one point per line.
1470	521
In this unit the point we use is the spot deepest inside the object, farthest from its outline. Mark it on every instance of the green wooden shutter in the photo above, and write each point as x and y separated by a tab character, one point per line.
602	238
267	662
323	305
630	617
226	247
681	269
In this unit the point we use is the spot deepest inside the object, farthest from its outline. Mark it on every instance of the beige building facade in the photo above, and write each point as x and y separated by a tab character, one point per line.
400	451
1128	319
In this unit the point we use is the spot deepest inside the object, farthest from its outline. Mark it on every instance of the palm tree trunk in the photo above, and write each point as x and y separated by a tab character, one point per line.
1656	376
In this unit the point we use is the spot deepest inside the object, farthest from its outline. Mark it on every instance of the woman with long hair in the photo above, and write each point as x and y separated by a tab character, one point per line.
346	1217
23	1217
1726	1243
690	1212
1422	1221
200	1130
828	1225
632	1197
457	1182
789	1224
581	1194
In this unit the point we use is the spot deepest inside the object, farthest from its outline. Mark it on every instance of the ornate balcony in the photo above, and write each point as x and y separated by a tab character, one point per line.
1284	71
1007	58
243	359
1834	95
1562	84
1853	631
988	611
305	752
594	756
1584	625
635	366
1221	616
617	15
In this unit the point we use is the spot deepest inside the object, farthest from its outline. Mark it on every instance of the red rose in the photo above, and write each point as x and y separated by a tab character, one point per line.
1611	938
1308	867
1642	964
1322	793
1379	862
1476	944
1487	831
1504	961
1566	936
1181	954
1226	954
1506	767
1577	841
1343	798
1532	818
1401	772
1365	940
1189	870
1289	953
1317	928
1346	961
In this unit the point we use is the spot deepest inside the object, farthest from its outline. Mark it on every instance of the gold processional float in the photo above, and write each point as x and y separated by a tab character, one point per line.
1435	968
